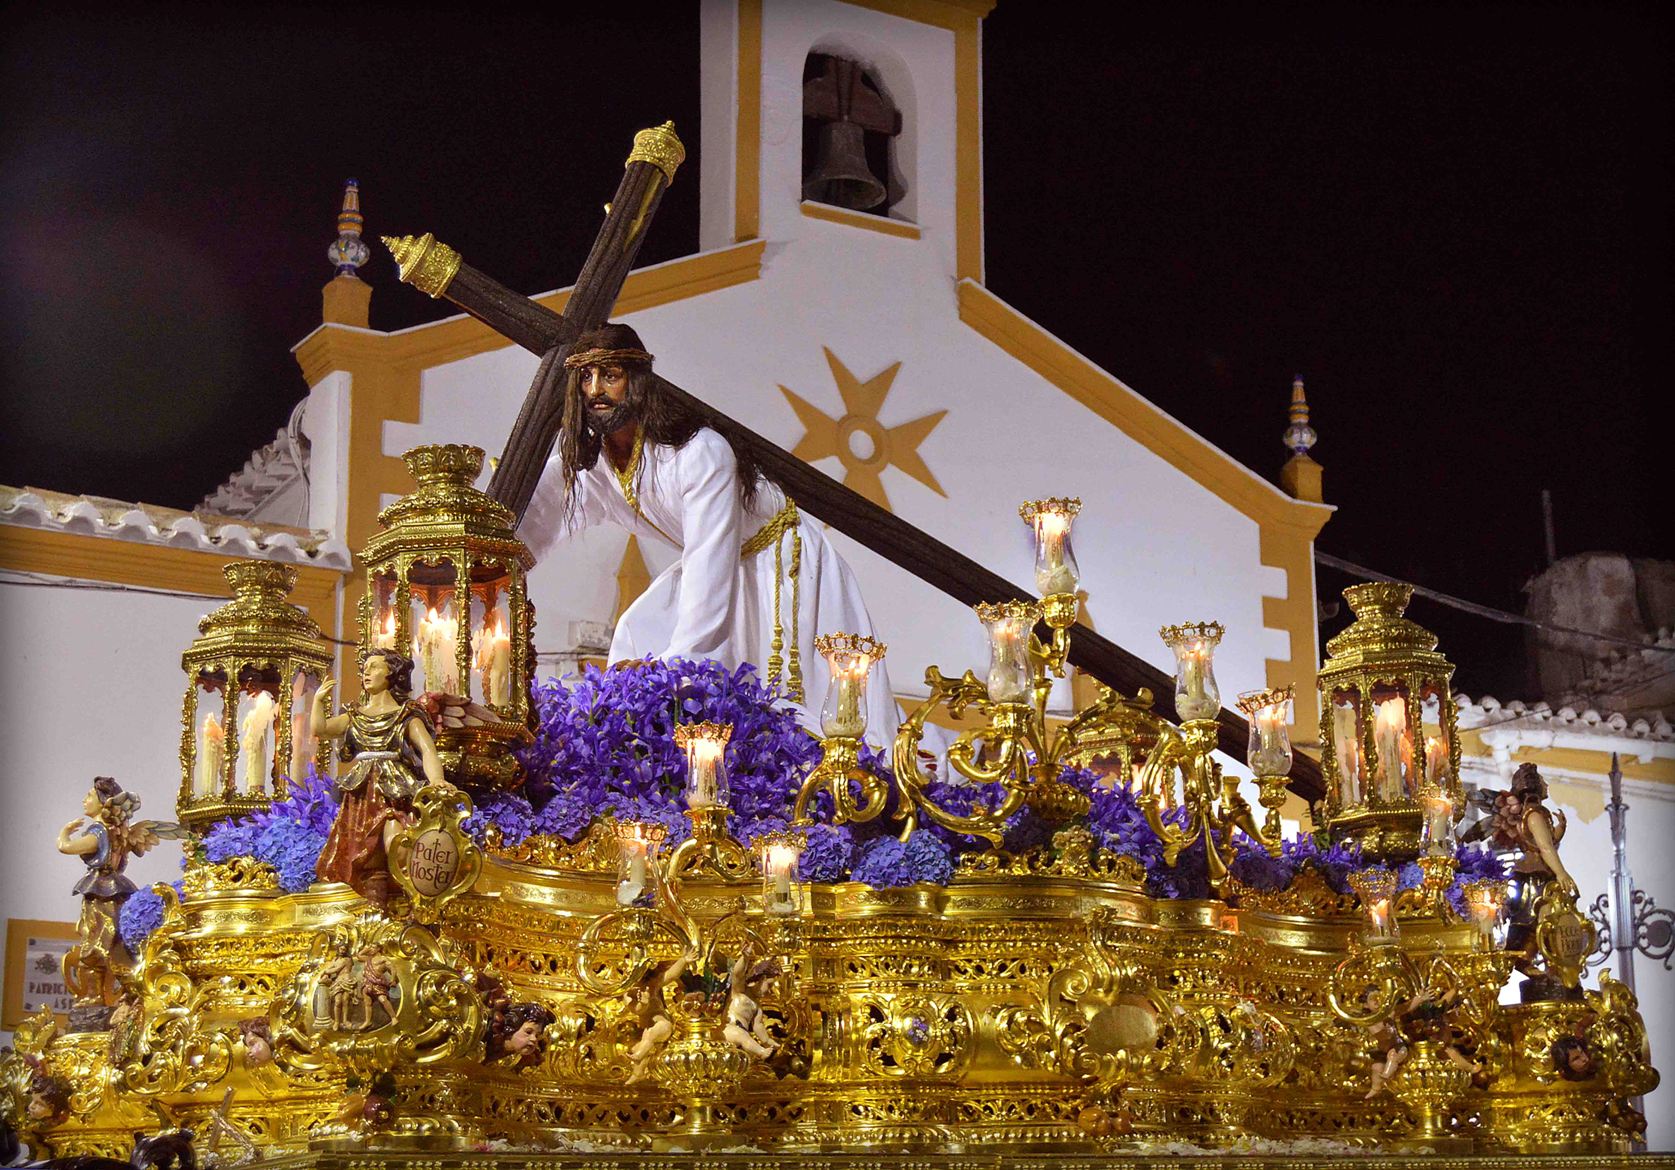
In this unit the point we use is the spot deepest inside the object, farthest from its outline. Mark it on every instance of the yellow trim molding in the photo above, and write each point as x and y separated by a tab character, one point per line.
861	219
949	14
747	144
151	566
1572	760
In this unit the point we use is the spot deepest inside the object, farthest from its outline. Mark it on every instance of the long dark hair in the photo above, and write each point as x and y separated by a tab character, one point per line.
662	418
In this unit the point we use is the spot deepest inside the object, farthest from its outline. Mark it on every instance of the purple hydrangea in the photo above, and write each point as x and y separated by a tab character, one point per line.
604	744
828	854
288	835
886	863
1474	863
1257	868
509	812
141	914
1334	864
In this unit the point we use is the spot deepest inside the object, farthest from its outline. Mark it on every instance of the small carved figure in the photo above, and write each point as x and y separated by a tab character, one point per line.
650	1011
342	984
747	1028
1390	1051
520	1038
258	1041
377	977
107	837
369	1105
1574	1059
389	746
1522	821
49	1099
496	999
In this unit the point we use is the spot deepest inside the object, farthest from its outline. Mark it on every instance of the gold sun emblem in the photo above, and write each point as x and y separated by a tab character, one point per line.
861	443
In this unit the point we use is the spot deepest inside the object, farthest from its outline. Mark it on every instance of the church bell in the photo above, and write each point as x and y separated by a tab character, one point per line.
841	176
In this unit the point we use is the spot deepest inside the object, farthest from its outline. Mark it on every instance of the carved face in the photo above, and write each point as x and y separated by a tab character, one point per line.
91	804
605	390
375	675
526	1039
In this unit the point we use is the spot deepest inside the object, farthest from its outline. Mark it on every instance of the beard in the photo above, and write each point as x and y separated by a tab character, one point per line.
610	421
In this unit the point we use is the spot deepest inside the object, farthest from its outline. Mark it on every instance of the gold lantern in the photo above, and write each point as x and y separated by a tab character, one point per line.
251	676
1389	746
445	585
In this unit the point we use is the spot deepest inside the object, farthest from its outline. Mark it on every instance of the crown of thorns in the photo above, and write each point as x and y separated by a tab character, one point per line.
605	357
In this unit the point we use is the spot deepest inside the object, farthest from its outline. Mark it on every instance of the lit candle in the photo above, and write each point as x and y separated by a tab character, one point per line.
1346	742
384	639
212	749
1009	624
1056	571
435	644
1196	694
494	662
848	658
1390	738
633	882
1436	761
702	759
301	746
1269	712
781	862
1439	822
253	741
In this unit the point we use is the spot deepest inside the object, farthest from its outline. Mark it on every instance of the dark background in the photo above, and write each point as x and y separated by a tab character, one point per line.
1451	220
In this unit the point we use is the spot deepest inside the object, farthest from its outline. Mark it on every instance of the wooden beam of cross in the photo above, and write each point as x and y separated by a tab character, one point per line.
439	271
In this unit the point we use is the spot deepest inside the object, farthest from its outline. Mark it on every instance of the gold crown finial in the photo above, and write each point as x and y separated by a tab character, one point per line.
659	146
424	262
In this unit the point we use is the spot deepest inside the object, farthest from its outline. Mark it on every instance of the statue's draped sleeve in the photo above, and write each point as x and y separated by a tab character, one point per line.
711	523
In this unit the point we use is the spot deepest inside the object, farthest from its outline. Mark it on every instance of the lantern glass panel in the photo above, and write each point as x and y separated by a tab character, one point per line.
209	736
1438	768
1394	779
383	634
435	625
1346	748
258	707
491	644
303	745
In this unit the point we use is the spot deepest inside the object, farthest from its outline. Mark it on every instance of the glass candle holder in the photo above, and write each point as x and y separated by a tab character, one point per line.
1484	899
1009	624
637	845
1376	888
1438	830
1196	694
849	657
1055	560
780	853
1269	713
705	745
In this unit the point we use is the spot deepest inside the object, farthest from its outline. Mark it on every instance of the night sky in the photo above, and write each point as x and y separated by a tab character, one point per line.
1453	221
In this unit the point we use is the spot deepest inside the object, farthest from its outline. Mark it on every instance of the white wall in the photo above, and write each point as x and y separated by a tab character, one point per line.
93	683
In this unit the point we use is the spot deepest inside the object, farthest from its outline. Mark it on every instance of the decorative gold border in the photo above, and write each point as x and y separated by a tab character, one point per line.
18	932
860	219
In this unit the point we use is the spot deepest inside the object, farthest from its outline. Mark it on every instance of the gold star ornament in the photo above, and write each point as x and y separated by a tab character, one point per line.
861	443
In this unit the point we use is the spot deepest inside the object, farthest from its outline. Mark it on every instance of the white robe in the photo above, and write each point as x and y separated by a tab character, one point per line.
712	603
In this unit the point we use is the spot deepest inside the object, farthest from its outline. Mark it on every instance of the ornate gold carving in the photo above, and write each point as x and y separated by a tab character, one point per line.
433	859
424	262
659	146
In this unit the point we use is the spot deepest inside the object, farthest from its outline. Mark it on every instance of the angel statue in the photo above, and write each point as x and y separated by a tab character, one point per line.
1520	821
391	752
105	838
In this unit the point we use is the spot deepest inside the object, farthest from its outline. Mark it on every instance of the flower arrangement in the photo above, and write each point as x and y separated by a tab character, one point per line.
141	914
287	835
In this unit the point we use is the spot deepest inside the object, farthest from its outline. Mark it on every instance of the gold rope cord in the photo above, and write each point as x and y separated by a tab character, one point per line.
773	532
629	476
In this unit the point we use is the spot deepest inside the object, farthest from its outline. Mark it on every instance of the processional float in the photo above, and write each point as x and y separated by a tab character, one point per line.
1152	964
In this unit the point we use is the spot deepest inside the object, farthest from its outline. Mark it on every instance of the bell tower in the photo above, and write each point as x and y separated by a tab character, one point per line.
864	113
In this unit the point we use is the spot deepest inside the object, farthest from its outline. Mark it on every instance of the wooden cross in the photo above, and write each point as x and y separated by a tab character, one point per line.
438	270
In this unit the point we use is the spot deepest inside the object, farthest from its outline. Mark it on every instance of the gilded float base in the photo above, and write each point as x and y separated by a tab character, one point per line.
1129	1160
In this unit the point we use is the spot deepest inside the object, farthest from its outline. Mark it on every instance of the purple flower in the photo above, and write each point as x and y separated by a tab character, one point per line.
141	914
883	864
828	854
1257	868
1334	864
507	811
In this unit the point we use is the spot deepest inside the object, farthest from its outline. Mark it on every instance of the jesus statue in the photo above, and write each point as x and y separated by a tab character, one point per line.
755	582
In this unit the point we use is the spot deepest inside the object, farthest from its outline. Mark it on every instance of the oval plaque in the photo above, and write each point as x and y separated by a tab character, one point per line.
434	863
